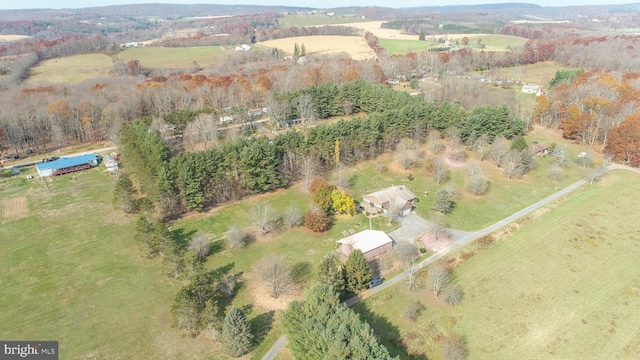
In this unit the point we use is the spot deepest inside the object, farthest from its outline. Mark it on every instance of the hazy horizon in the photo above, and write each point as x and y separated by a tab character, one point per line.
62	4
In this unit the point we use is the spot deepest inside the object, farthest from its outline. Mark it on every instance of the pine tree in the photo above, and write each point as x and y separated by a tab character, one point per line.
422	36
303	50
124	195
527	161
519	143
236	333
443	202
331	273
359	273
296	50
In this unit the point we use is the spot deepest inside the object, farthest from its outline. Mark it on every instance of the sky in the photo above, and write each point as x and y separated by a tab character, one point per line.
59	4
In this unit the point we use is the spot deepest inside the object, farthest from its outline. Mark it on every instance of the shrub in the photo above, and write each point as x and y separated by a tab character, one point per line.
316	220
453	295
412	311
236	238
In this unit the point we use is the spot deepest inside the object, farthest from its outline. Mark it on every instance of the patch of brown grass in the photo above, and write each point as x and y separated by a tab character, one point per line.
15	208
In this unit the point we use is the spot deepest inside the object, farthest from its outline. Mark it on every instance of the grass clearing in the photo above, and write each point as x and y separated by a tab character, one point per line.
71	271
173	58
9	38
492	42
558	287
70	69
395	47
539	73
355	46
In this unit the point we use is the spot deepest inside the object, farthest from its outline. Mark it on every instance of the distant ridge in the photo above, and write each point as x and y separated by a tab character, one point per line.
467	8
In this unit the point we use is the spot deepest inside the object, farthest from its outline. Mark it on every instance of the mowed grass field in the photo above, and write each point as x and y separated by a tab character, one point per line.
355	46
161	57
565	285
71	271
70	69
492	43
539	73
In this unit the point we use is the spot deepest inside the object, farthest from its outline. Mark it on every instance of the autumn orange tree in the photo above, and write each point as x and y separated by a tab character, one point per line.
624	140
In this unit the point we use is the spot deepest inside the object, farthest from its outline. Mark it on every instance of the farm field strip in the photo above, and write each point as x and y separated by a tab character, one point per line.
356	46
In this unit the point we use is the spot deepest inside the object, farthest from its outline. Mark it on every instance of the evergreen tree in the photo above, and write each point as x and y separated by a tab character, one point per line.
422	36
145	235
236	333
527	161
303	50
331	273
320	328
124	195
443	202
358	272
519	143
296	50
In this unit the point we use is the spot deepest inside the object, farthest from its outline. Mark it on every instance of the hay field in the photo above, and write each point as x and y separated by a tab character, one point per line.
354	45
540	73
172	58
9	38
563	286
70	69
302	20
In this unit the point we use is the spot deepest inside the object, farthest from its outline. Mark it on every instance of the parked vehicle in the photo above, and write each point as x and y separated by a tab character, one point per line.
376	281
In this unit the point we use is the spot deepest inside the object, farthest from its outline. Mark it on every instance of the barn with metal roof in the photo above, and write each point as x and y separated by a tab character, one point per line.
67	165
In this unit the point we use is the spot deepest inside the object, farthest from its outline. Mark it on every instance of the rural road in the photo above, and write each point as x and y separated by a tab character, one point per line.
461	242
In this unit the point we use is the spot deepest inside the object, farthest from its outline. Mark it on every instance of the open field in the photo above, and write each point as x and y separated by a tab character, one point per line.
354	45
15	208
405	46
564	285
302	20
71	271
70	69
540	73
9	38
161	57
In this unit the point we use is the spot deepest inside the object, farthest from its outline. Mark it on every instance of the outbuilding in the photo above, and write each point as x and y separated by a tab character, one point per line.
371	242
67	165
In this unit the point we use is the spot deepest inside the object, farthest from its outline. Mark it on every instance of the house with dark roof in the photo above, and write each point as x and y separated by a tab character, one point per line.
397	199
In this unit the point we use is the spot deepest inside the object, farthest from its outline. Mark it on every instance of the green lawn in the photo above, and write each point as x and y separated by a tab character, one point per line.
405	46
70	69
71	271
539	73
471	212
302	20
565	285
161	57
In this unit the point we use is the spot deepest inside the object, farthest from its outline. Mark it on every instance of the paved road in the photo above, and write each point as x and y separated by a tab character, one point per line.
460	242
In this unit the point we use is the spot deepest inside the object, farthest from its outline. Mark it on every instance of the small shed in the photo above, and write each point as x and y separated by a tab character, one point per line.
110	163
371	242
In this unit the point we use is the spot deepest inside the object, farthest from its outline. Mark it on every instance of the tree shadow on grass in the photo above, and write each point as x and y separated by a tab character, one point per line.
387	333
216	247
301	271
182	238
261	325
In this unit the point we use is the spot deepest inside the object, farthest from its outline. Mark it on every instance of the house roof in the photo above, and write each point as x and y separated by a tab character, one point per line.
64	162
366	240
536	148
398	194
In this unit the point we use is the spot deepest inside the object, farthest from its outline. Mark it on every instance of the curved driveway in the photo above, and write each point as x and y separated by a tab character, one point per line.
460	242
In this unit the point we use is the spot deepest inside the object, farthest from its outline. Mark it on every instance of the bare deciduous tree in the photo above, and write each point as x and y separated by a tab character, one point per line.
439	171
555	172
499	150
453	348
236	238
408	253
512	164
264	217
477	182
309	168
200	246
439	229
433	140
440	277
274	271
292	217
481	147
306	108
407	153
453	295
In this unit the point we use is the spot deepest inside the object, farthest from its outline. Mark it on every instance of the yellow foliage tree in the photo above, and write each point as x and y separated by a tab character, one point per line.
342	202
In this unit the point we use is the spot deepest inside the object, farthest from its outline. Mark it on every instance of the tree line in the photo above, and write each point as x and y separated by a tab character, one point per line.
237	168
